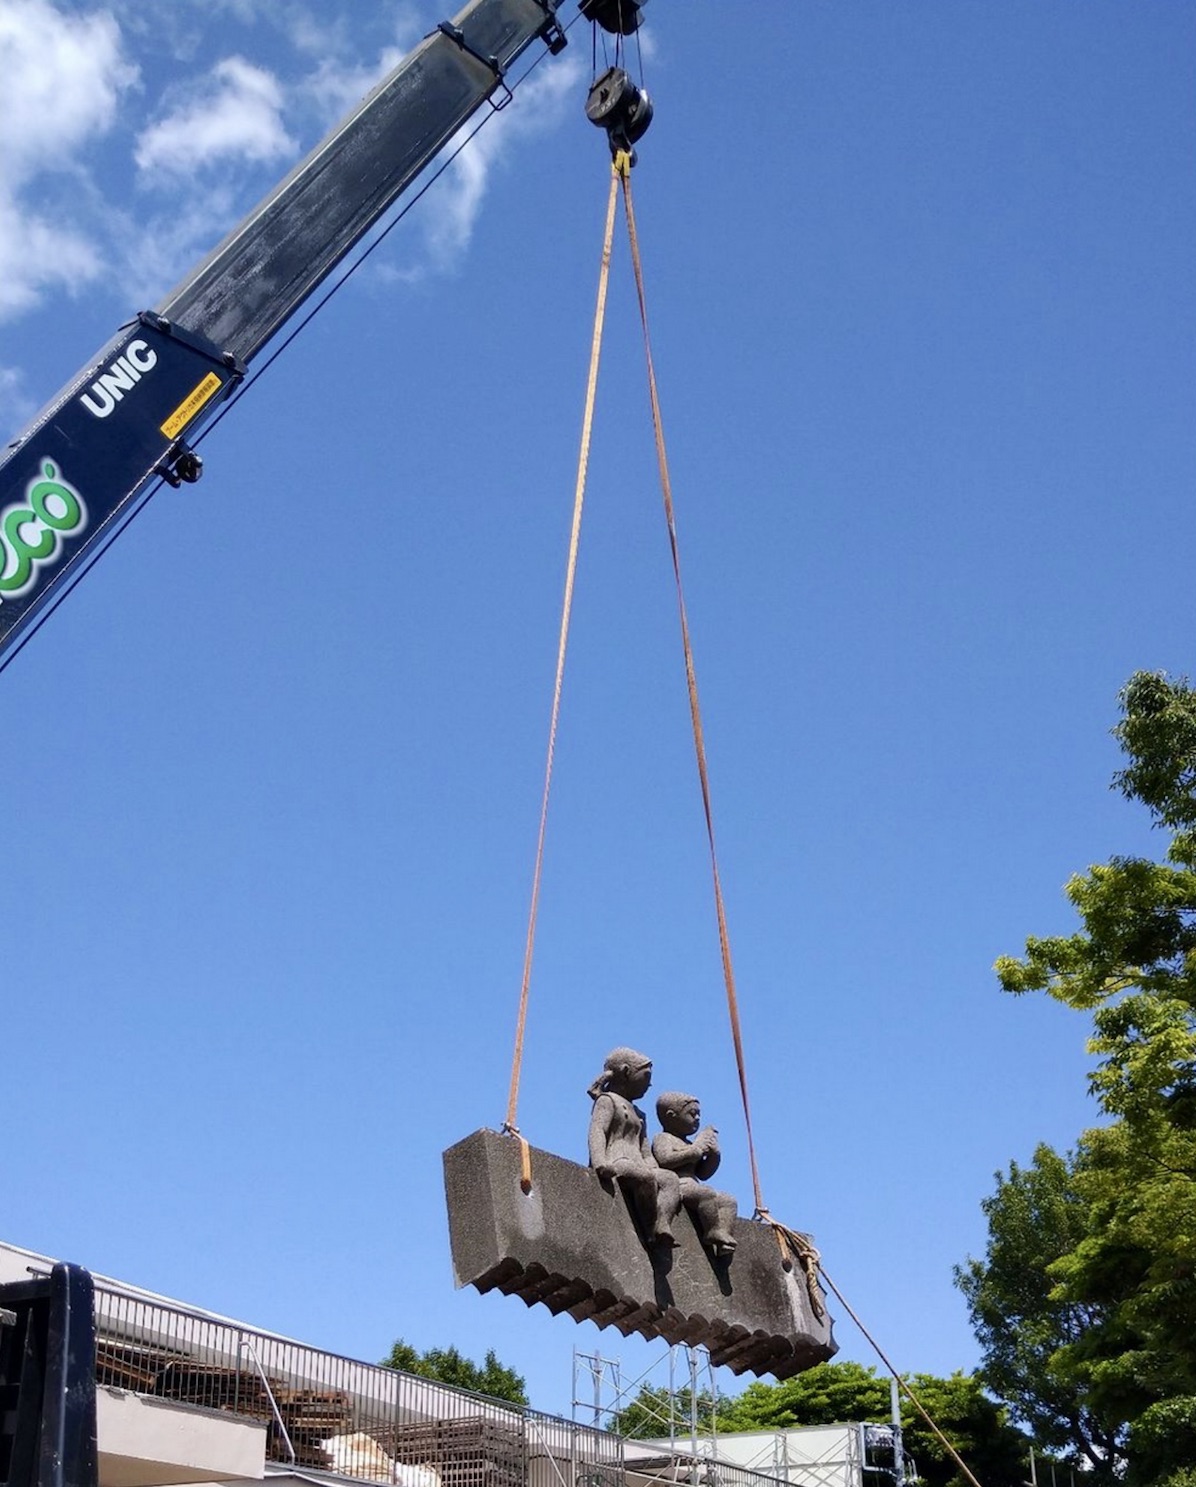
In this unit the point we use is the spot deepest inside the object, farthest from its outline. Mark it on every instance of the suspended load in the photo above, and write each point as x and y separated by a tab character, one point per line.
637	1240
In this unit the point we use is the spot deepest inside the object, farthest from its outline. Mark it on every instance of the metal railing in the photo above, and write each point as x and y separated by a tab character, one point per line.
323	1412
326	1413
683	1467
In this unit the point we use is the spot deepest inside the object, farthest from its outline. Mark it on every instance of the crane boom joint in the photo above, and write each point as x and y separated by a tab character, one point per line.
456	35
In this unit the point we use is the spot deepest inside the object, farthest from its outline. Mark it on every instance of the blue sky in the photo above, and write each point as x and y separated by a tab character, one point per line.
923	311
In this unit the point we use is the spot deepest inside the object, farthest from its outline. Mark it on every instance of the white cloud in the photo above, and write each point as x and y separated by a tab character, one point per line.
63	76
454	204
236	114
36	255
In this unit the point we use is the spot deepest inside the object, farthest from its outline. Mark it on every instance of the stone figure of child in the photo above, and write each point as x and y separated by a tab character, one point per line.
619	1144
694	1155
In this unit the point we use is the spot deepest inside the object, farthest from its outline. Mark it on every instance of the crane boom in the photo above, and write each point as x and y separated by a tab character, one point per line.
70	474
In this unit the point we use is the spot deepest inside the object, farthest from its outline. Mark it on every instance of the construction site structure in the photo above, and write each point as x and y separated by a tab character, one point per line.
145	1391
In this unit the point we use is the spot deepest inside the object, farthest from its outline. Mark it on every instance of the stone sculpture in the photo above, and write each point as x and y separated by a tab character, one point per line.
694	1155
598	1243
570	1245
619	1149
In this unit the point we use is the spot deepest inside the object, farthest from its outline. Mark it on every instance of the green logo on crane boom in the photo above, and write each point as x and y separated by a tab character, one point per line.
53	509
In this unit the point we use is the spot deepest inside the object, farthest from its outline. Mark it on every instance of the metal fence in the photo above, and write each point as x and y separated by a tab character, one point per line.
326	1413
683	1467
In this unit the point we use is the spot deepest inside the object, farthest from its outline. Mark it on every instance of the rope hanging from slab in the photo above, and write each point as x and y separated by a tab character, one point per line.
901	1383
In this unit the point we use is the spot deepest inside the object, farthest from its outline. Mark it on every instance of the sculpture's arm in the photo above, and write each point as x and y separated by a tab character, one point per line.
709	1155
674	1154
600	1119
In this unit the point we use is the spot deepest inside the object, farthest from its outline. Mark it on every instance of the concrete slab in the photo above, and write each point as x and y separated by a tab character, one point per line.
571	1245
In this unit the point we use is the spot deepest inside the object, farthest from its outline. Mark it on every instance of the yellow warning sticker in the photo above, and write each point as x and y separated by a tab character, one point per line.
191	405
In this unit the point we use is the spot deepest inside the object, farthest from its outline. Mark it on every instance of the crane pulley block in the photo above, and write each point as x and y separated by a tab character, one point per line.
619	106
622	17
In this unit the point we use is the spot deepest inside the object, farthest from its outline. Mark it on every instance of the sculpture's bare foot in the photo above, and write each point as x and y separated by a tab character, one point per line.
721	1244
664	1238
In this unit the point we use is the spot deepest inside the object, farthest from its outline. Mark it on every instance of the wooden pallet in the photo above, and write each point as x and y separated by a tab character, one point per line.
466	1453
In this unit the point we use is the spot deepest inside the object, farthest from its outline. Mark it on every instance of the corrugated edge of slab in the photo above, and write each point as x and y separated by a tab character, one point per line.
571	1245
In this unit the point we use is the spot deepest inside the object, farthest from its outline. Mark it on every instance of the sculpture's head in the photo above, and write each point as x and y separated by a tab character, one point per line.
679	1114
625	1073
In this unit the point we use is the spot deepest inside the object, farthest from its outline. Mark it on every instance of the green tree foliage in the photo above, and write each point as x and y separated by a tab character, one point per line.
840	1393
1163	1441
1036	1218
447	1366
978	1427
826	1395
1132	965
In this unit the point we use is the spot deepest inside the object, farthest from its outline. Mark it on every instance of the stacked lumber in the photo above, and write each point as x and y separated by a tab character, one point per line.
130	1365
465	1453
311	1416
215	1387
